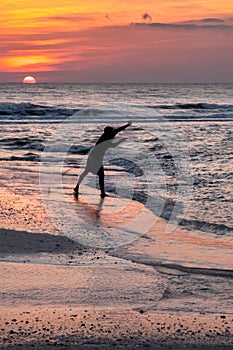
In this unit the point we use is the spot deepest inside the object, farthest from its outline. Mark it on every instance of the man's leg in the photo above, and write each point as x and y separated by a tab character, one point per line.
101	181
81	177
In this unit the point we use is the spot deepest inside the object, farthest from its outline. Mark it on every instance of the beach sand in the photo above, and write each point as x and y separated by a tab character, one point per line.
111	328
56	293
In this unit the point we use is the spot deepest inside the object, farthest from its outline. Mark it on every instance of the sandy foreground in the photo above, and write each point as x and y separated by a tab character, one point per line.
106	306
56	294
107	328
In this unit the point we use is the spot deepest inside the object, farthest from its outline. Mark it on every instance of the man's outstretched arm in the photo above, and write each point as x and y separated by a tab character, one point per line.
121	128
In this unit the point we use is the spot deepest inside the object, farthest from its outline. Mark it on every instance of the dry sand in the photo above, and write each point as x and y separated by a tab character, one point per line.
114	304
111	328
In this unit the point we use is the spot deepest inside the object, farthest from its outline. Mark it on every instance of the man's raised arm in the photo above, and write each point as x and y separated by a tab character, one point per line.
121	128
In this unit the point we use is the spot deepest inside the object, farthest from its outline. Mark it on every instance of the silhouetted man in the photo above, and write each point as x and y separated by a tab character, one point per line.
95	158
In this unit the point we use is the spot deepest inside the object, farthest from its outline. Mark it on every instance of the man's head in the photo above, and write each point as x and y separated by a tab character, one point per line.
108	130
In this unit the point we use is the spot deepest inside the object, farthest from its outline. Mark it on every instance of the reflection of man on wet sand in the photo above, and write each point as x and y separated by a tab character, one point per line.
95	158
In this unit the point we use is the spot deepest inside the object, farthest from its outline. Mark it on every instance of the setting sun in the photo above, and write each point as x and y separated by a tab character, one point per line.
29	80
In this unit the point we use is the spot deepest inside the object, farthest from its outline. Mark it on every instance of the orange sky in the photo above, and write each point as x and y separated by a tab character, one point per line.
111	40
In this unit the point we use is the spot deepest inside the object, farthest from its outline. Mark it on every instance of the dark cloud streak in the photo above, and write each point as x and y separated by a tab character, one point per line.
212	20
183	26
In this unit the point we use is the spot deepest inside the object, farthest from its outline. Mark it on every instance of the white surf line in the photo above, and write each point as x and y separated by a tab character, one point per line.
113	120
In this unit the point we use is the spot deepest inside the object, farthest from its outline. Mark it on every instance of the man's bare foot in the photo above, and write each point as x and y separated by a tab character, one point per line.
76	189
103	195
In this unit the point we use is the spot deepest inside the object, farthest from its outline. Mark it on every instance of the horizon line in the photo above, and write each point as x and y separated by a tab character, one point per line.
138	82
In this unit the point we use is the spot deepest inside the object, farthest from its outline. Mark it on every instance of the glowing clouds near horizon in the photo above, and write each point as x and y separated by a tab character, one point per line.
29	80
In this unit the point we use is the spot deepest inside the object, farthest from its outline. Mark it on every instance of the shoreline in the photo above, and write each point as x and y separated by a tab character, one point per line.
22	247
33	238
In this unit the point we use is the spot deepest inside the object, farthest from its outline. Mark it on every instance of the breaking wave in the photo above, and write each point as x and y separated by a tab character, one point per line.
28	157
29	109
175	112
207	226
198	105
29	142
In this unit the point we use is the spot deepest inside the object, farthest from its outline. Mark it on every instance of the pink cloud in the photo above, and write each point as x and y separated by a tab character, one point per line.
141	52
